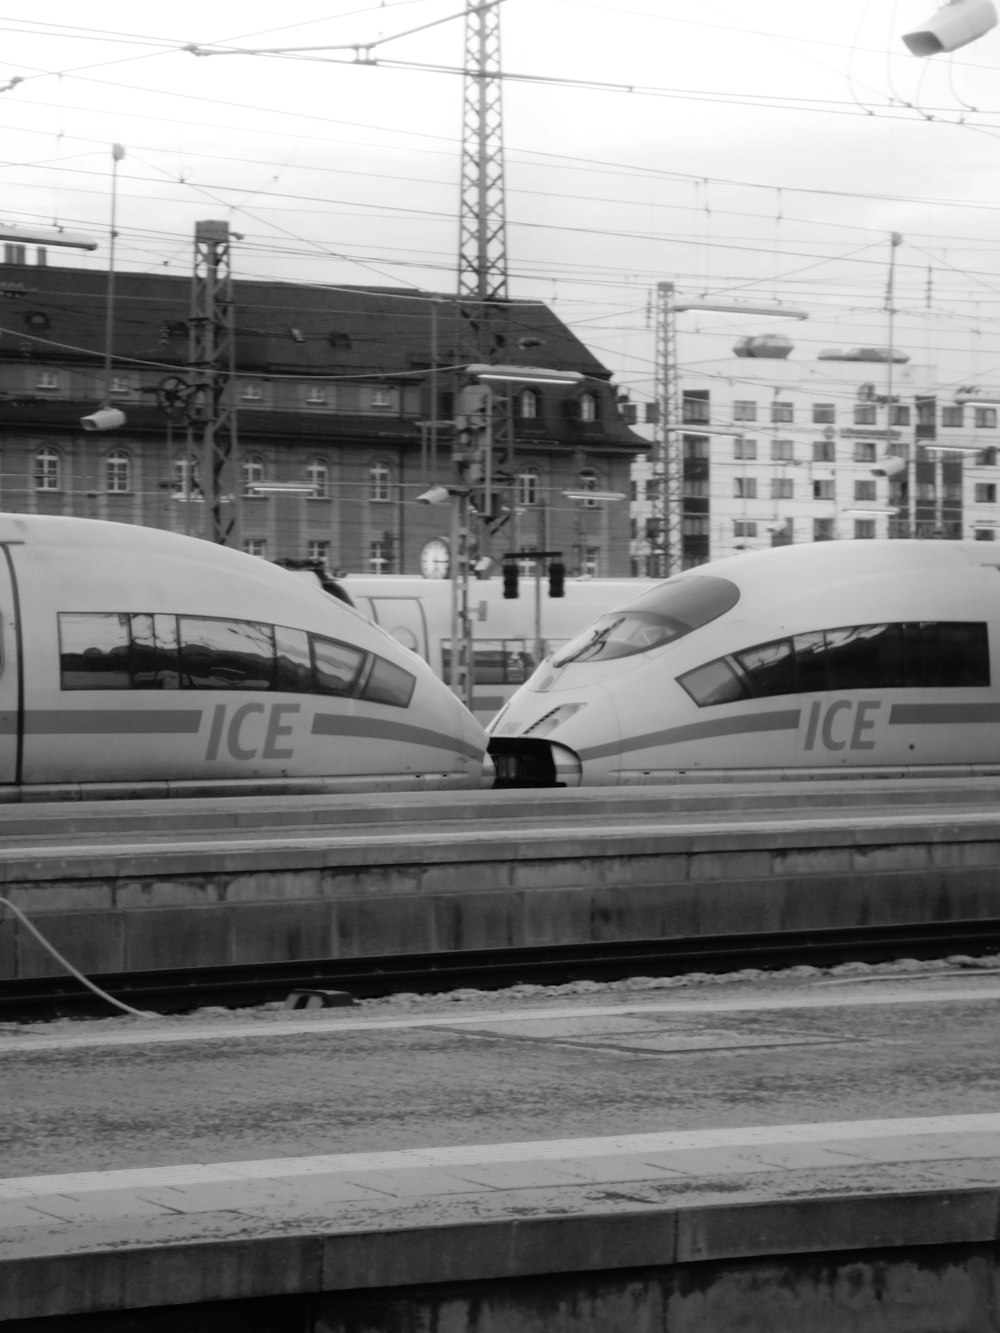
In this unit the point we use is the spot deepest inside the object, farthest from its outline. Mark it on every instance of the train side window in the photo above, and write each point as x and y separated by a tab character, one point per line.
389	684
226	654
864	657
714	683
294	661
946	655
155	653
95	651
769	667
336	666
811	662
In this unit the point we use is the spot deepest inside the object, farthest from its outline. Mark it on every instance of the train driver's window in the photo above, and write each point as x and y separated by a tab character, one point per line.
388	684
769	667
94	651
714	683
226	654
336	666
294	660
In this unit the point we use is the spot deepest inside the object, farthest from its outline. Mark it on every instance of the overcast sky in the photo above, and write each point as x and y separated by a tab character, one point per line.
765	150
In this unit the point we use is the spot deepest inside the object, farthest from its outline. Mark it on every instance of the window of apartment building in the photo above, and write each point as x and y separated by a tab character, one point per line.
315	396
782	451
48	470
864	490
864	529
824	414
47	380
864	414
823	530
985	534
379	561
118	472
252	393
255	546
781	411
864	451
781	488
926	492
318	477
985	493
984	418
379	484
695	487
526	488
745	488
694	525
694	406
592	561
318	550
588	407
527	404
744	410
952	414
743	448
986	457
381	399
588	482
742	528
900	415
121	386
252	468
185	476
824	451
823	490
696	446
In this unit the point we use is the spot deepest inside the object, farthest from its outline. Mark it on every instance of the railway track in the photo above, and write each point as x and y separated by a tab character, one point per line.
178	991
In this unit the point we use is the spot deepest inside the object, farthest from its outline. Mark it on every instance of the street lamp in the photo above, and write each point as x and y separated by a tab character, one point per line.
71	240
107	417
460	671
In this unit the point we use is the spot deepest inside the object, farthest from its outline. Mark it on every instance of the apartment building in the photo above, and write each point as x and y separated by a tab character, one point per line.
777	449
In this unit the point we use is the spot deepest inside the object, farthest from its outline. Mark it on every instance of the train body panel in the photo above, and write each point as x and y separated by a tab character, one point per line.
417	612
836	657
132	655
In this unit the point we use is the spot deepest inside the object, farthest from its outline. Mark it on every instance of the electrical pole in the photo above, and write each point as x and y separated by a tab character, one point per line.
211	414
668	460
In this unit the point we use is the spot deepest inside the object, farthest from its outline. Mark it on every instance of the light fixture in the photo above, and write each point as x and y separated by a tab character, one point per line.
956	448
594	495
280	488
955	24
523	375
738	308
72	240
872	512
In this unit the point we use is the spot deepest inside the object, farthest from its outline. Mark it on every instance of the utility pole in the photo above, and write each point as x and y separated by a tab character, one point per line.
482	242
210	412
668	461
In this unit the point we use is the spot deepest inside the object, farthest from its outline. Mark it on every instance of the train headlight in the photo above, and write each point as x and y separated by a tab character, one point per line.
549	721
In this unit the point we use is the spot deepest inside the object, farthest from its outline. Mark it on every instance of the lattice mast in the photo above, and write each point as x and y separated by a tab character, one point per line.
668	450
482	242
211	415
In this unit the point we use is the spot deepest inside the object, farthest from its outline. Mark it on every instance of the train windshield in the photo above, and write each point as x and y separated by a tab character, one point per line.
663	613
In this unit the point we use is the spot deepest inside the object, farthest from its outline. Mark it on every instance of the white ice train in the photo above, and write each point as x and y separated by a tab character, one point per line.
131	658
864	657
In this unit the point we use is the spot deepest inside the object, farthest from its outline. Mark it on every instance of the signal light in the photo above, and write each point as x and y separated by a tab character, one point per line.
510	581
557	579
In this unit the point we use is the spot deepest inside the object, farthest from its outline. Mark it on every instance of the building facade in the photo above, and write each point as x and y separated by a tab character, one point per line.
775	450
343	403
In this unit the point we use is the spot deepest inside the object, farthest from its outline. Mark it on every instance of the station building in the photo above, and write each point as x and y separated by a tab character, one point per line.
778	449
339	422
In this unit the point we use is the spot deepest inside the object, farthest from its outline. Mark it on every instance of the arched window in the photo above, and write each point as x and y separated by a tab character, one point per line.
527	488
527	404
379	481
118	472
318	476
252	468
48	470
185	476
588	407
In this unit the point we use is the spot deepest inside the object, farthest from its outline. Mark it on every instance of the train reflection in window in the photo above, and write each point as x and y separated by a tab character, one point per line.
122	651
918	655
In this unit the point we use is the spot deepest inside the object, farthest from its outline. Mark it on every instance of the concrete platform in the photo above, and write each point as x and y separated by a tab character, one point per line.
848	1224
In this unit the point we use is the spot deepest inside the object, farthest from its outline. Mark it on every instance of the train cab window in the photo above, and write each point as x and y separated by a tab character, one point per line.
155	652
769	667
388	684
336	666
714	683
226	654
95	651
660	615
